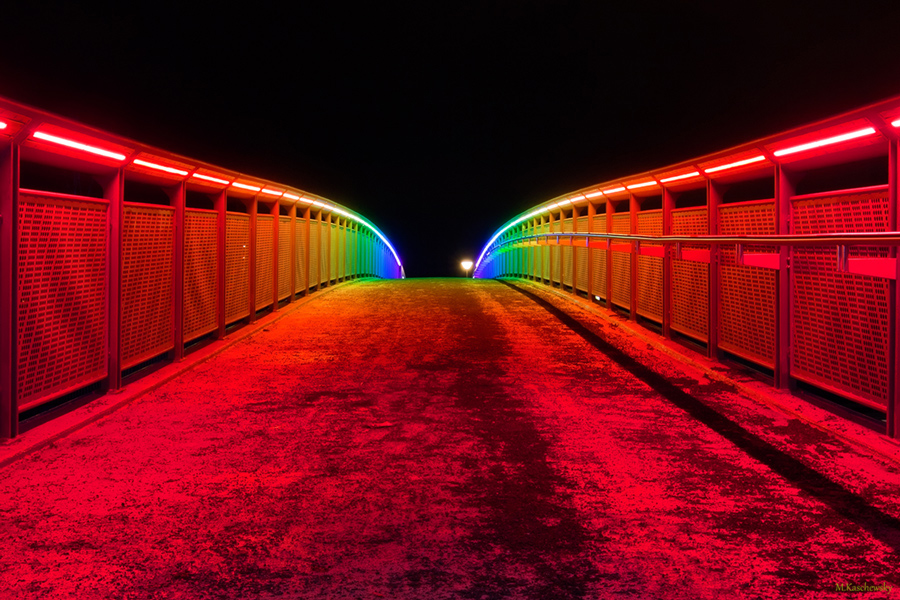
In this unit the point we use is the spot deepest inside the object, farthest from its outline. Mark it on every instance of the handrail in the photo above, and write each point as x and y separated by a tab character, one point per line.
884	238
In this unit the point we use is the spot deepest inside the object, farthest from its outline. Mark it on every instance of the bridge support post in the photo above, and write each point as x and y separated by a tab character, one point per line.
784	190
178	202
634	206
252	210
668	203
713	200
113	191
220	204
9	209
893	404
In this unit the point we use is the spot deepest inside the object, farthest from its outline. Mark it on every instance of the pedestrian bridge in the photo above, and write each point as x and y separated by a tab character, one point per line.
676	384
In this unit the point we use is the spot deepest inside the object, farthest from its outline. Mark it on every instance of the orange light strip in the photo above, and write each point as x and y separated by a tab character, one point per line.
593	194
244	186
614	190
640	185
739	163
151	165
208	178
77	145
680	177
826	142
272	192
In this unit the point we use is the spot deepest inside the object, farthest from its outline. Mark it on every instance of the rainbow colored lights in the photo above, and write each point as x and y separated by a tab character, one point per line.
755	153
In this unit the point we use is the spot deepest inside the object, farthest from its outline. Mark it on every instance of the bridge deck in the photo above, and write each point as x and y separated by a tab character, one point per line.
444	439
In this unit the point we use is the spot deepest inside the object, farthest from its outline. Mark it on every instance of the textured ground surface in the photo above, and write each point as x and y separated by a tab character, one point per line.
445	439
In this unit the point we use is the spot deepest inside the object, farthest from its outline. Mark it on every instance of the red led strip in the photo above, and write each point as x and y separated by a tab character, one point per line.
680	177
739	163
826	142
208	178
77	145
151	165
244	186
640	185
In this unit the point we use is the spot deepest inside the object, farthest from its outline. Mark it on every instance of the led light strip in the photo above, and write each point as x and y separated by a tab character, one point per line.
826	142
634	186
244	186
151	165
680	177
2	125
77	145
739	163
208	178
272	192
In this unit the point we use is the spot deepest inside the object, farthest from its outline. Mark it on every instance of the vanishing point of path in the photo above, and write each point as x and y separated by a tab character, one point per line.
427	439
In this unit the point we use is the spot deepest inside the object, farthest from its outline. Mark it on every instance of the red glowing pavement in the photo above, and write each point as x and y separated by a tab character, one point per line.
447	439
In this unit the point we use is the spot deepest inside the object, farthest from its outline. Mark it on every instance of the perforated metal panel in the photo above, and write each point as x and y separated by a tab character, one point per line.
690	280
201	273
301	277
314	252
61	312
237	266
747	294
265	269
840	324
334	242
147	262
621	283
284	257
581	257
599	259
650	268
555	265
341	252
567	260
325	253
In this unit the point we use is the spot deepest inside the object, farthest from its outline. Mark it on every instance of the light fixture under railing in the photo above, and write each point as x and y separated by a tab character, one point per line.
826	142
738	163
643	184
150	165
680	177
54	139
244	186
208	178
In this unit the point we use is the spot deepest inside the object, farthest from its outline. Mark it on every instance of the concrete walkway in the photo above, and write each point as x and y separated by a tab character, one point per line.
447	439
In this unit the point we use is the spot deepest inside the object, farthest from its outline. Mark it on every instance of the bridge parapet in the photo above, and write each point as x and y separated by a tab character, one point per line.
116	256
779	254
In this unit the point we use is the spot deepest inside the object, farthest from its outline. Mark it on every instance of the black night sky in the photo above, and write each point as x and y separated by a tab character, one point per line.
441	120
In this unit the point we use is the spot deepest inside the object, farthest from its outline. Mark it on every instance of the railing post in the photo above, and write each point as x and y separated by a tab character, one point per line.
178	202
252	210
293	253
668	204
784	190
305	224
552	222
112	191
713	200
591	213
893	404
220	204
633	207
275	211
9	209
610	210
